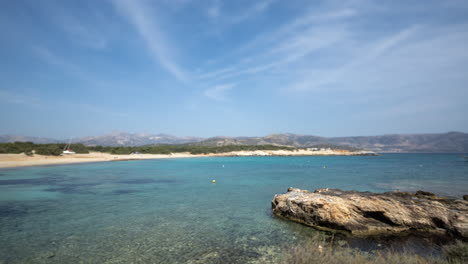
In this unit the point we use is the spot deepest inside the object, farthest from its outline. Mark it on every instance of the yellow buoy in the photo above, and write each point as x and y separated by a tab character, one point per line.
213	181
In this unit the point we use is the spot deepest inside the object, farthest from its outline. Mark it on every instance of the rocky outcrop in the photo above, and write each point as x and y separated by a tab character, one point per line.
364	213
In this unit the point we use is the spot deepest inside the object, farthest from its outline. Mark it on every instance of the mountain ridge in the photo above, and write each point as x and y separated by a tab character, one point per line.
456	142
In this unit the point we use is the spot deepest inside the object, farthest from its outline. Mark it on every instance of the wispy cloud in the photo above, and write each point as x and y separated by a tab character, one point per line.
16	98
305	21
73	69
177	4
90	31
335	14
293	28
413	60
214	10
283	52
139	16
19	99
342	55
289	43
328	52
79	32
318	78
218	92
252	11
65	65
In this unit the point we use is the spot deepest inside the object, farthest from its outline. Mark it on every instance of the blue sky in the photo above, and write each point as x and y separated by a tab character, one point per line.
251	68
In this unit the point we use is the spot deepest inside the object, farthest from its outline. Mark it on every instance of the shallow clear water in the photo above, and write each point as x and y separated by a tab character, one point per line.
168	211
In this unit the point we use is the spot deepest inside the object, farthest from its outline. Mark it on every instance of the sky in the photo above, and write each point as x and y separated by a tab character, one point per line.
233	68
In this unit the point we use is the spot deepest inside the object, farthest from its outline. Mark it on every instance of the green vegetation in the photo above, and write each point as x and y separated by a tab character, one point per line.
335	147
41	149
456	253
17	147
167	149
319	250
48	149
56	149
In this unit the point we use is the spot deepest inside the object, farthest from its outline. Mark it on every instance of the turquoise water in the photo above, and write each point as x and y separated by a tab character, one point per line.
168	211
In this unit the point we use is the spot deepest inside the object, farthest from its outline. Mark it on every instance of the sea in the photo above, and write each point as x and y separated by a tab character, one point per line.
170	211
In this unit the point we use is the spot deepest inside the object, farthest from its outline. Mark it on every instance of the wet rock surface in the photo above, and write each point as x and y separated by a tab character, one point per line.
365	213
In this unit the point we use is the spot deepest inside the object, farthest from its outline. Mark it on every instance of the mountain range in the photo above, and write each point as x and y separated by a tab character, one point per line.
452	142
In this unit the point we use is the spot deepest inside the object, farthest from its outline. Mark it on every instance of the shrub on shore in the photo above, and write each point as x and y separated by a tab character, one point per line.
56	149
16	147
41	149
48	149
456	253
192	149
318	250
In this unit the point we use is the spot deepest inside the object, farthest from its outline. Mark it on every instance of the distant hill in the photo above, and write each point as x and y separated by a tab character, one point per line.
38	140
455	142
112	139
128	139
274	139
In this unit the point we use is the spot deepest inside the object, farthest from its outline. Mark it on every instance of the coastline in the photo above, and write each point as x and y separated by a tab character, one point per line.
22	160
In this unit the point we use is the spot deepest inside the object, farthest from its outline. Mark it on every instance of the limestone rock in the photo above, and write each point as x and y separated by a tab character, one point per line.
365	213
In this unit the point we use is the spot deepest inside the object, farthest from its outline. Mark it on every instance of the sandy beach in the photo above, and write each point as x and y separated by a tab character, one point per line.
22	160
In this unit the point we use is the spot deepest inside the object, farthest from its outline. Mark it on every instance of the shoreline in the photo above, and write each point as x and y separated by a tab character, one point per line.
22	160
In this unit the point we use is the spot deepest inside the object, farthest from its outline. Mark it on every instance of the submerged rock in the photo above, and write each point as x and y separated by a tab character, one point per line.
365	213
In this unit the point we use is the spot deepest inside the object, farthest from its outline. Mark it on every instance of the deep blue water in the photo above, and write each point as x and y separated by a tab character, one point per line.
169	211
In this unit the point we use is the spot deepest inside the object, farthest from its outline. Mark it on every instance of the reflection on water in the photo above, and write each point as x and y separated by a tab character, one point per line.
169	211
